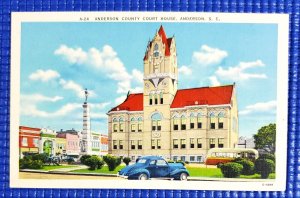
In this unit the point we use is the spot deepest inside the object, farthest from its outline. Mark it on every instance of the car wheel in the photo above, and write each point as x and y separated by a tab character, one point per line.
183	176
143	176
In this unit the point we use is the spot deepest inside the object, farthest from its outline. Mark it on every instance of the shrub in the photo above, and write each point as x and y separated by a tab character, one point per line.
94	162
248	167
30	164
112	162
83	158
36	164
231	169
264	167
267	156
219	165
126	160
42	157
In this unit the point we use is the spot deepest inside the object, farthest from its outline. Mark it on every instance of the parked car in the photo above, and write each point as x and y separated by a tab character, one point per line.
154	167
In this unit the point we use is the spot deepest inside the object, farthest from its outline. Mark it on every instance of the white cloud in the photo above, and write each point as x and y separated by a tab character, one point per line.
137	90
40	98
44	75
120	99
105	61
185	70
214	81
99	105
268	107
238	72
76	88
72	55
208	55
98	115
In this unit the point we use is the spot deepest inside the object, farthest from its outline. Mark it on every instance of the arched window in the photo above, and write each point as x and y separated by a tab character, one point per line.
121	124
175	123
199	121
156	52
212	119
115	125
183	122
221	120
155	99
133	124
140	124
156	122
150	99
161	96
192	121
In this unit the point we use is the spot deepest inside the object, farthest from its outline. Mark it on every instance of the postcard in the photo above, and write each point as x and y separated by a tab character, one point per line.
194	101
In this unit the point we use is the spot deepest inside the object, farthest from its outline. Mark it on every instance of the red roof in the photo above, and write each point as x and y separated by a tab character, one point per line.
165	40
184	97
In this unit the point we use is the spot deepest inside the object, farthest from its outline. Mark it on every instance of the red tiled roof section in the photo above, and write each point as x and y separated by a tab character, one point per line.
134	102
203	96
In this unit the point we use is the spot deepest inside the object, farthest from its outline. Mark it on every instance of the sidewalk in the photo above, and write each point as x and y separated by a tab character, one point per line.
68	169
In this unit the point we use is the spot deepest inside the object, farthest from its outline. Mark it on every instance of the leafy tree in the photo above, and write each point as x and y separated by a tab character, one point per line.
265	138
112	162
126	160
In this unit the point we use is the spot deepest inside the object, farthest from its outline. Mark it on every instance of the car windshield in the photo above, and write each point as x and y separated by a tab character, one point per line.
141	161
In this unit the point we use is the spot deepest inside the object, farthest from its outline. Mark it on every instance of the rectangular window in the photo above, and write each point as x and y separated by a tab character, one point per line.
192	158
182	158
159	125
161	100
192	125
212	143
115	126
175	144
158	144
175	127
35	142
176	123
174	158
121	144
140	144
154	123
199	143
115	146
199	158
221	125
192	143
150	101
199	125
132	144
183	127
155	100
212	125
182	144
152	144
24	141
183	123
139	127
221	142
132	127
121	127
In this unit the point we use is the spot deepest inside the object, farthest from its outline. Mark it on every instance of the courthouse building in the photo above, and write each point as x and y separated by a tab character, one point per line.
169	122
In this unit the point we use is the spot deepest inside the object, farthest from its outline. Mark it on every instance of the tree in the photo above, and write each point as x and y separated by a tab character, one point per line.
265	138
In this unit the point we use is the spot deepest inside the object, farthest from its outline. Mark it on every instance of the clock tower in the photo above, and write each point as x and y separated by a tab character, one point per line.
160	87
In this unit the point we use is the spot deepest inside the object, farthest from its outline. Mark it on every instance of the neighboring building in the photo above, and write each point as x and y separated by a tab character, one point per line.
104	145
245	142
164	121
72	143
28	140
60	148
96	144
47	142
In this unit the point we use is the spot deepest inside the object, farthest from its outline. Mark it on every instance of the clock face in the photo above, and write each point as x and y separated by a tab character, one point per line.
147	85
165	83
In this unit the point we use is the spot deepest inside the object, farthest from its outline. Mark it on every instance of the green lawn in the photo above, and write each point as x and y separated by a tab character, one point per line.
204	172
52	167
104	169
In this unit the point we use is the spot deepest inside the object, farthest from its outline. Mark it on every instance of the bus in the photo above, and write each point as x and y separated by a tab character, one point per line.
216	156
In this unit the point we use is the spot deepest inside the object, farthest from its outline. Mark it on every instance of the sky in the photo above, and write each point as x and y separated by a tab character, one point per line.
59	60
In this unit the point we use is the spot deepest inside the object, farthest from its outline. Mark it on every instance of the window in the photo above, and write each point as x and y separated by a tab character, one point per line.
155	99
152	144
212	121
121	120
121	144
115	146
183	123
199	121
199	143
192	158
221	142
192	121
212	143
132	127
175	158
182	158
192	143
199	158
156	122
161	163
150	99
156	52
140	144
132	144
35	142
182	143
175	144
158	144
140	124
115	126
161	96
175	123
221	120
132	122
24	141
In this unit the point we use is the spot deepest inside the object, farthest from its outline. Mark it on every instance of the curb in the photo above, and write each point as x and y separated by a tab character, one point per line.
67	173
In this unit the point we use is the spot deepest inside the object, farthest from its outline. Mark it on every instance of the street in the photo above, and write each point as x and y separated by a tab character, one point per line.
27	175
